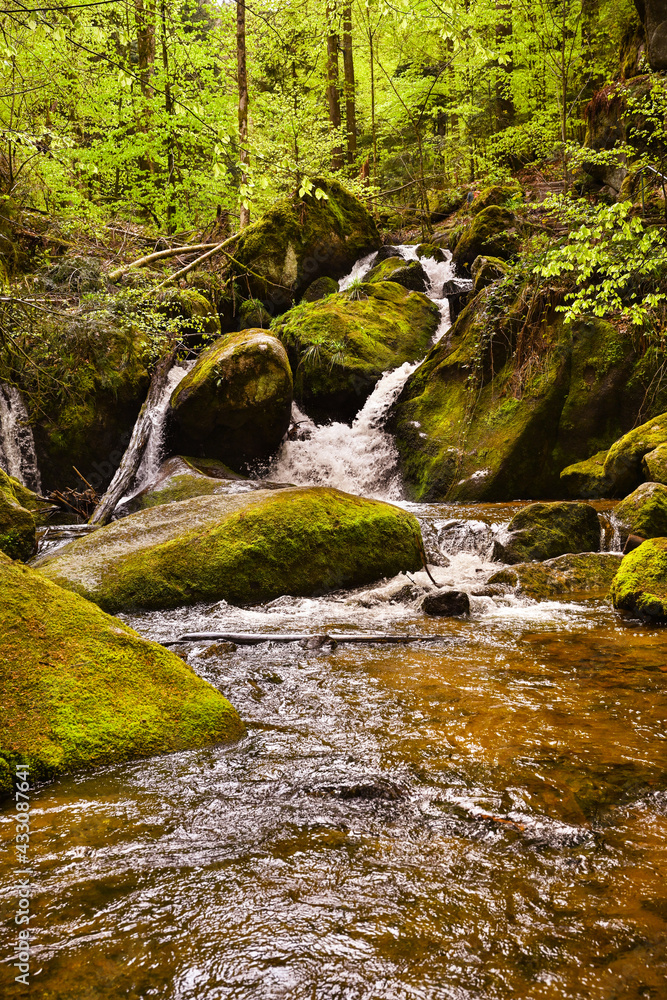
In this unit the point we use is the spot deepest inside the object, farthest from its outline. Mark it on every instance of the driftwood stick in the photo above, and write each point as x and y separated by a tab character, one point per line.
189	267
255	639
131	460
163	254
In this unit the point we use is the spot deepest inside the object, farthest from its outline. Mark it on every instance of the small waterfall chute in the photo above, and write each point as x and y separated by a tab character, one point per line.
17	444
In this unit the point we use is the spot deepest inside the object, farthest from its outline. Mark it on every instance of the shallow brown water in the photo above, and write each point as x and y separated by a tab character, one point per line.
485	817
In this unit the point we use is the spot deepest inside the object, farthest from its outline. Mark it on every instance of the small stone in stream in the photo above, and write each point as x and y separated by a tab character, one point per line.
316	642
218	649
446	604
633	542
384	253
376	790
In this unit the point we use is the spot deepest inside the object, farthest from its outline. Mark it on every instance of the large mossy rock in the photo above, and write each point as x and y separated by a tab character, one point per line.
235	404
17	521
644	512
640	586
340	346
654	465
182	478
504	404
496	194
410	274
586	574
546	530
244	549
586	480
300	240
623	465
490	233
79	688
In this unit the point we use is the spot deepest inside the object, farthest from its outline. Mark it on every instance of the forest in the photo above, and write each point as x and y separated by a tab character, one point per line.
333	499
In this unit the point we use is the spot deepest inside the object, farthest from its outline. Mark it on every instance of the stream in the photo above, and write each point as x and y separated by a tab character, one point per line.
481	817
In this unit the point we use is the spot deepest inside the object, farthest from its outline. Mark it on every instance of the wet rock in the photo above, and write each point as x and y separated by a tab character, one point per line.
17	524
585	573
545	530
367	791
457	295
485	270
632	542
491	233
340	346
409	274
80	688
319	289
385	252
654	465
301	239
644	512
587	480
640	586
245	549
430	252
235	404
182	479
218	649
446	604
623	465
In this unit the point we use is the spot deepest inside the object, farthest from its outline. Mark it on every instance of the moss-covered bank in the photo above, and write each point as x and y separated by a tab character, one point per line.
79	688
244	549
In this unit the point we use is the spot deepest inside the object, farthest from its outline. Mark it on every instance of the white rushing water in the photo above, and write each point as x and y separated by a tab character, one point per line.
17	444
154	451
361	458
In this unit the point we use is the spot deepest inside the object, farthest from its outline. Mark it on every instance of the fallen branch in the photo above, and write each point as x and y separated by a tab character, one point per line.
189	267
134	452
163	254
256	639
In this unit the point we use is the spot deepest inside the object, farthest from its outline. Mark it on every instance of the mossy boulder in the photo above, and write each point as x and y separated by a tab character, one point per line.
245	549
17	522
491	233
79	688
443	201
644	512
623	465
586	480
430	252
485	270
302	239
182	478
585	573
235	404
253	316
640	586
340	346
496	194
319	289
654	464
193	311
545	530
410	274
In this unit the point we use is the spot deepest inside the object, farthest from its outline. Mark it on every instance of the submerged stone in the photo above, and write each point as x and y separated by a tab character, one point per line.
79	688
640	586
644	512
545	530
245	549
235	404
589	573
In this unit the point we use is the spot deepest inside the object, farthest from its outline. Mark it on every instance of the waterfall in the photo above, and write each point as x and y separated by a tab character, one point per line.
157	415
17	444
360	459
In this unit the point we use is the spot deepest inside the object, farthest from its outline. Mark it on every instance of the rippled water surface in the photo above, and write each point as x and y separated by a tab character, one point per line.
480	817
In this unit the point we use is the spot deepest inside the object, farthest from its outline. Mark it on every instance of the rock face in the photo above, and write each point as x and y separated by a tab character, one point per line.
486	270
182	479
655	25
236	402
589	573
79	688
319	289
410	274
300	240
640	586
17	523
623	465
487	234
494	415
654	465
446	604
644	512
245	549
586	480
545	530
340	346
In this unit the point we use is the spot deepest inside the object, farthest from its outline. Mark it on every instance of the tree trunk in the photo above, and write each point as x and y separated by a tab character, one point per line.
144	16
169	108
348	67
504	101
244	156
333	95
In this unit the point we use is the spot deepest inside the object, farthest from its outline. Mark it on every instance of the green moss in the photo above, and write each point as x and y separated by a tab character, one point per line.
79	688
487	234
654	464
235	404
623	465
339	346
644	512
319	289
245	549
546	530
17	523
181	479
586	480
496	194
485	270
410	274
193	308
431	252
253	315
584	573
640	586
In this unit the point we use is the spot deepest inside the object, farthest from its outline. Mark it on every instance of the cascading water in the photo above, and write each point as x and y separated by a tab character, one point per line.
17	444
361	458
154	450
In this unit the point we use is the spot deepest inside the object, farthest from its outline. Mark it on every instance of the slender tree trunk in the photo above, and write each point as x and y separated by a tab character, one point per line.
244	156
144	16
348	66
371	57
169	108
333	94
504	101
